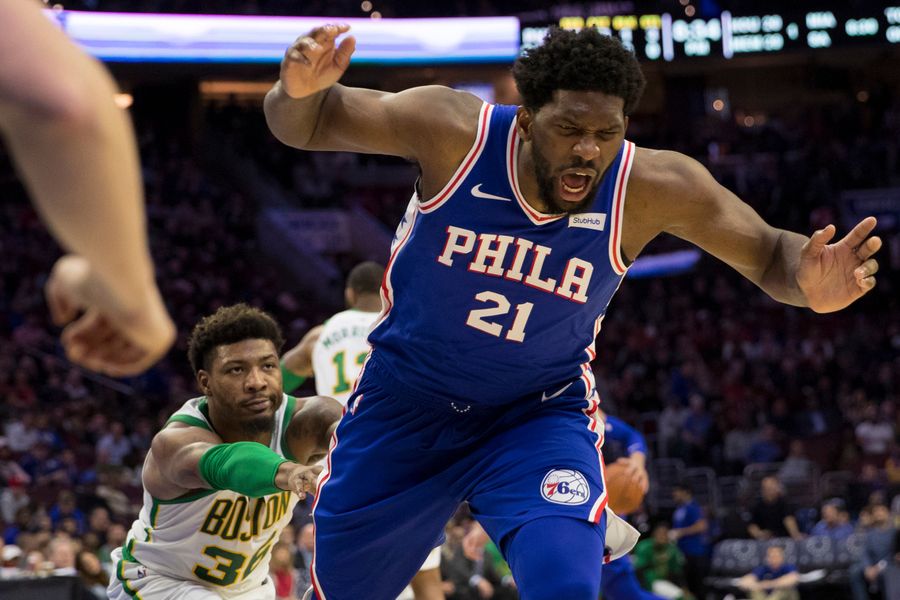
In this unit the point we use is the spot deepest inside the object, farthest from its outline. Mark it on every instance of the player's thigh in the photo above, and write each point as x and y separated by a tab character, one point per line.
547	463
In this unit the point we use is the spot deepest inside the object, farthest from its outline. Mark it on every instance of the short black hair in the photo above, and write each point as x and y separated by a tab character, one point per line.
365	278
230	325
586	60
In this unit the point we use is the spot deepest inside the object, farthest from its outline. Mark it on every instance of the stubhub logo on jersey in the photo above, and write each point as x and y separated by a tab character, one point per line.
565	486
588	221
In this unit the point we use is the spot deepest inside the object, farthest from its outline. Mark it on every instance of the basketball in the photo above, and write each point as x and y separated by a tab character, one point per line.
624	496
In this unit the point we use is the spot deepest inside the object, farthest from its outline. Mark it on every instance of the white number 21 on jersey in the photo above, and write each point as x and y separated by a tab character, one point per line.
476	318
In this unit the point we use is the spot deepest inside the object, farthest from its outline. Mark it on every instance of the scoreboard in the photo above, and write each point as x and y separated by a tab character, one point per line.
666	37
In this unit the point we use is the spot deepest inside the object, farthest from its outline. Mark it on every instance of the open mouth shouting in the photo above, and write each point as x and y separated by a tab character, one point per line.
574	184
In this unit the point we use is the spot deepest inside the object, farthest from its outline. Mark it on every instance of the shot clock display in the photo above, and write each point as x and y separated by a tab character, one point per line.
667	37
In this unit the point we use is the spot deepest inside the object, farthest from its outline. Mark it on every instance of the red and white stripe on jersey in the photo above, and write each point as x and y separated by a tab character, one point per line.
512	157
484	120
326	475
590	384
387	290
591	350
596	426
618	209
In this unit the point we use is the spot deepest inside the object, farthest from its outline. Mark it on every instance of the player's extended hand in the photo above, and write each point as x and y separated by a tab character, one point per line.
100	333
832	276
637	472
474	542
297	478
313	63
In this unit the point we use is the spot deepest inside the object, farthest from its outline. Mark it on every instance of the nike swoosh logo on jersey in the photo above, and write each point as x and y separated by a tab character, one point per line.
545	397
476	191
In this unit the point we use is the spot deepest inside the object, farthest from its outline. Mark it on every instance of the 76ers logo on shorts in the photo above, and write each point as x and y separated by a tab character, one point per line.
565	486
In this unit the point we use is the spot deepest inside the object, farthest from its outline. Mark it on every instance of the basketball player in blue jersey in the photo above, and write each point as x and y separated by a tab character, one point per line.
524	222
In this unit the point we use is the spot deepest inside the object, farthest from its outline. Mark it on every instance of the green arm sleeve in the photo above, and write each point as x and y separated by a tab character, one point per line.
291	381
247	468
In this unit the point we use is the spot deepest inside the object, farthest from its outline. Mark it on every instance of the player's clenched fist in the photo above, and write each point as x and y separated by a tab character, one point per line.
297	478
313	62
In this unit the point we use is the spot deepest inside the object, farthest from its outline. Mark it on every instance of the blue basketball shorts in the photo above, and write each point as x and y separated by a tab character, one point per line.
401	463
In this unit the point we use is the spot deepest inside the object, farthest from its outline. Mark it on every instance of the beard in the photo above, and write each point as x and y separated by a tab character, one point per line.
547	184
258	425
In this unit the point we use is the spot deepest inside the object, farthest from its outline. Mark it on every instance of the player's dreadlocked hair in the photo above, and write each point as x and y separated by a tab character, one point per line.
582	61
230	325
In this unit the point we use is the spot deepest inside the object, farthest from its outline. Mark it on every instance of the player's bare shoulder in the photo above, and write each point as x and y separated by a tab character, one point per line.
441	124
664	187
659	176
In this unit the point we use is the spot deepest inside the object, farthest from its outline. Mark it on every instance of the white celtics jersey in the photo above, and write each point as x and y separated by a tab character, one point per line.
340	352
222	539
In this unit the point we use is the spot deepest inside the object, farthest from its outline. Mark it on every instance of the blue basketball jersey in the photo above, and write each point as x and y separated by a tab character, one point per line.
487	300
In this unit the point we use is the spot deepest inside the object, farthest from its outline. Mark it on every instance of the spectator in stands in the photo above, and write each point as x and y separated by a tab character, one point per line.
689	530
456	569
61	552
765	448
870	482
797	466
99	523
66	506
771	517
775	579
10	470
282	571
115	537
114	446
737	442
878	552
306	542
659	565
835	522
669	423
696	431
92	574
13	498
19	524
10	561
874	435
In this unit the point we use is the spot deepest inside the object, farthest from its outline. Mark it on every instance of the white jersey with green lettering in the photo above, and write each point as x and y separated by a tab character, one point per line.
339	353
220	539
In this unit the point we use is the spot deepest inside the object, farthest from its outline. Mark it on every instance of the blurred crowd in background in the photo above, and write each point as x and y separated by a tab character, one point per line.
766	421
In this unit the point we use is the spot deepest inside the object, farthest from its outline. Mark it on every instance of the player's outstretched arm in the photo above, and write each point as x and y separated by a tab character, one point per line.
298	360
308	109
309	432
184	458
790	267
77	155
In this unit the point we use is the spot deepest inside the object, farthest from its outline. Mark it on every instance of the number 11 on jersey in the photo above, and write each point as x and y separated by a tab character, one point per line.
516	333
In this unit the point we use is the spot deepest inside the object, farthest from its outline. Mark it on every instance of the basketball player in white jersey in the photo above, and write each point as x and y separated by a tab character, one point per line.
223	476
334	353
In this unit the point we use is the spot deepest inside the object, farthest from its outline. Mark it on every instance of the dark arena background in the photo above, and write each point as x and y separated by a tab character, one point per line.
795	106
